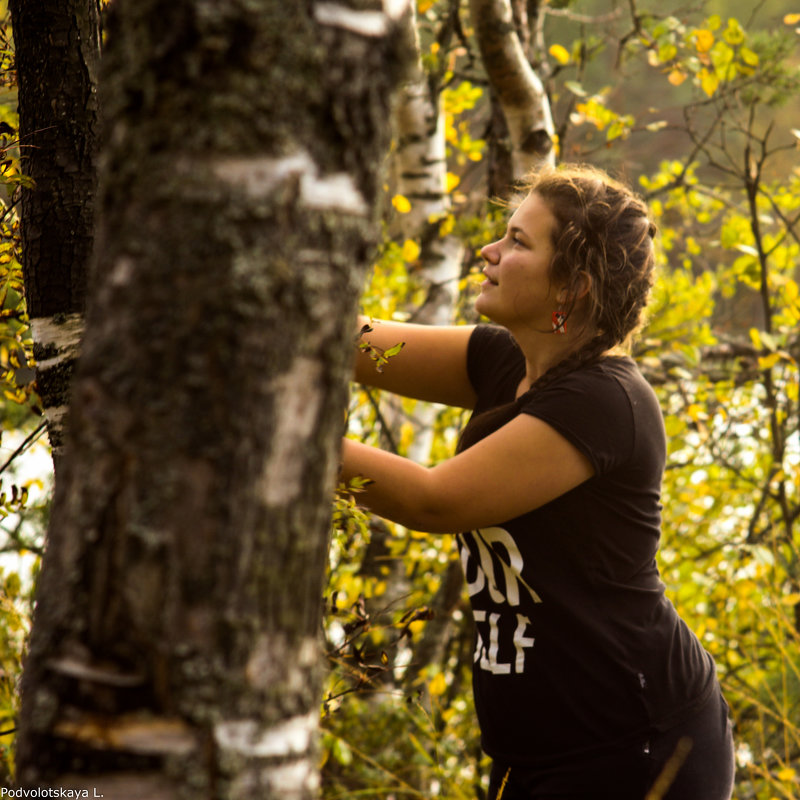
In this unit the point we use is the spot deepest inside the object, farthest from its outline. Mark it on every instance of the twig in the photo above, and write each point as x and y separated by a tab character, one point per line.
30	439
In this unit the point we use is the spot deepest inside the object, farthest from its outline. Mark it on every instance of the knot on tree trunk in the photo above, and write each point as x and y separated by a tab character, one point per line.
537	142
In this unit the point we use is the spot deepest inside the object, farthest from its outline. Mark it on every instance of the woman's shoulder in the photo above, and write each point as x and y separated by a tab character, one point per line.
495	366
616	372
606	409
612	389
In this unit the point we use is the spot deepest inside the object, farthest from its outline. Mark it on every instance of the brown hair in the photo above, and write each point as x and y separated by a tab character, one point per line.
603	230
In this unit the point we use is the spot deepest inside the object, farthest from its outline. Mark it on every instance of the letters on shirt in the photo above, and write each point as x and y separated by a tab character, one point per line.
485	543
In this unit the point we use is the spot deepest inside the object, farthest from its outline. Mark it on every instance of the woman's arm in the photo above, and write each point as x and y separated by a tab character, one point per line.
432	364
522	466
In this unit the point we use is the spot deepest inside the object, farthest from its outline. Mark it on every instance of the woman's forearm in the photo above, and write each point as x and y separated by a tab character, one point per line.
398	489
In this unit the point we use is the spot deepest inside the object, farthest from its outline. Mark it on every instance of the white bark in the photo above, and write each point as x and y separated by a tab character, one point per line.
519	89
58	340
362	22
421	170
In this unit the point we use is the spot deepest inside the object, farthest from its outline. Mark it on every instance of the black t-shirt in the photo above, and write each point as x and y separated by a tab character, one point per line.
577	647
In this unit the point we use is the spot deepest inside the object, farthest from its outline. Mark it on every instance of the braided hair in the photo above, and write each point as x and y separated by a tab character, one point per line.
603	230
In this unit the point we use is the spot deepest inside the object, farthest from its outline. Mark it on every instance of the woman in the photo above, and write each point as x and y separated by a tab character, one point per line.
587	683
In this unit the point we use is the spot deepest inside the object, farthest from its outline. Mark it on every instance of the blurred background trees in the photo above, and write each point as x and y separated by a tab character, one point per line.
696	104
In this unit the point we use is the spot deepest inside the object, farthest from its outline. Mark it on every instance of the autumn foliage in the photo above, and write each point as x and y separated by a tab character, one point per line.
697	112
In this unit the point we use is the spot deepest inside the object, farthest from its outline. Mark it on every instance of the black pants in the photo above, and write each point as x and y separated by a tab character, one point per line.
693	761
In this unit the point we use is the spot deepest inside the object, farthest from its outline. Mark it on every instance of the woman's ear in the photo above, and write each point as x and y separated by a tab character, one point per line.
584	284
581	287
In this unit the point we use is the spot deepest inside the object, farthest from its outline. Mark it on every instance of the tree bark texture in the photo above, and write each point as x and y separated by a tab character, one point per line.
57	50
175	644
518	88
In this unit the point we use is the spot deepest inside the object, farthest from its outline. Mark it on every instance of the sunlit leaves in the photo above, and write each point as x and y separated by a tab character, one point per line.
457	100
409	251
559	53
595	111
676	76
401	204
461	97
709	81
733	33
713	54
731	492
703	41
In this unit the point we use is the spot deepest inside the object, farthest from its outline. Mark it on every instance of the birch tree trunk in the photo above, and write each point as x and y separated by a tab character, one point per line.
421	168
57	50
420	175
518	88
175	651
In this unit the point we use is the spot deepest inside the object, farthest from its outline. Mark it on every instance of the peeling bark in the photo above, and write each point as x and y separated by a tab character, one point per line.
175	645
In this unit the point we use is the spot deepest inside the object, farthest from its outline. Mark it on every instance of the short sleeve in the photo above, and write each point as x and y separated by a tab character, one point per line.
592	411
495	365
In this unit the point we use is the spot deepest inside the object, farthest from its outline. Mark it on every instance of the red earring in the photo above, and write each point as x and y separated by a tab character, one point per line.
559	321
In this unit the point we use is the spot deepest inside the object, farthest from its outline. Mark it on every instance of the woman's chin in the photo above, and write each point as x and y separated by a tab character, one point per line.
483	306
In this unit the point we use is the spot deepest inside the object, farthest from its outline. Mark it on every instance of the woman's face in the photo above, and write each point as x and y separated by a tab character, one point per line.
517	290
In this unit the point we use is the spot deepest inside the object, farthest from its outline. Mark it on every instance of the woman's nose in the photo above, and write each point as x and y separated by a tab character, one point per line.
490	252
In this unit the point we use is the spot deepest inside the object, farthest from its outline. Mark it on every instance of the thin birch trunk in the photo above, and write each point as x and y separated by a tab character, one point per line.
420	169
519	89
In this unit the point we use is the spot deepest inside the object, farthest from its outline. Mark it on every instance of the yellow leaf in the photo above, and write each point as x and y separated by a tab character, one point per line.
703	40
748	56
452	181
733	33
401	204
696	412
791	19
559	53
768	362
700	631
438	685
787	774
709	82
410	250
676	77
447	225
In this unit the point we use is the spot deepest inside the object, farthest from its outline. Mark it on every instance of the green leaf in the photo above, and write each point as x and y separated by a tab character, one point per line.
394	349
